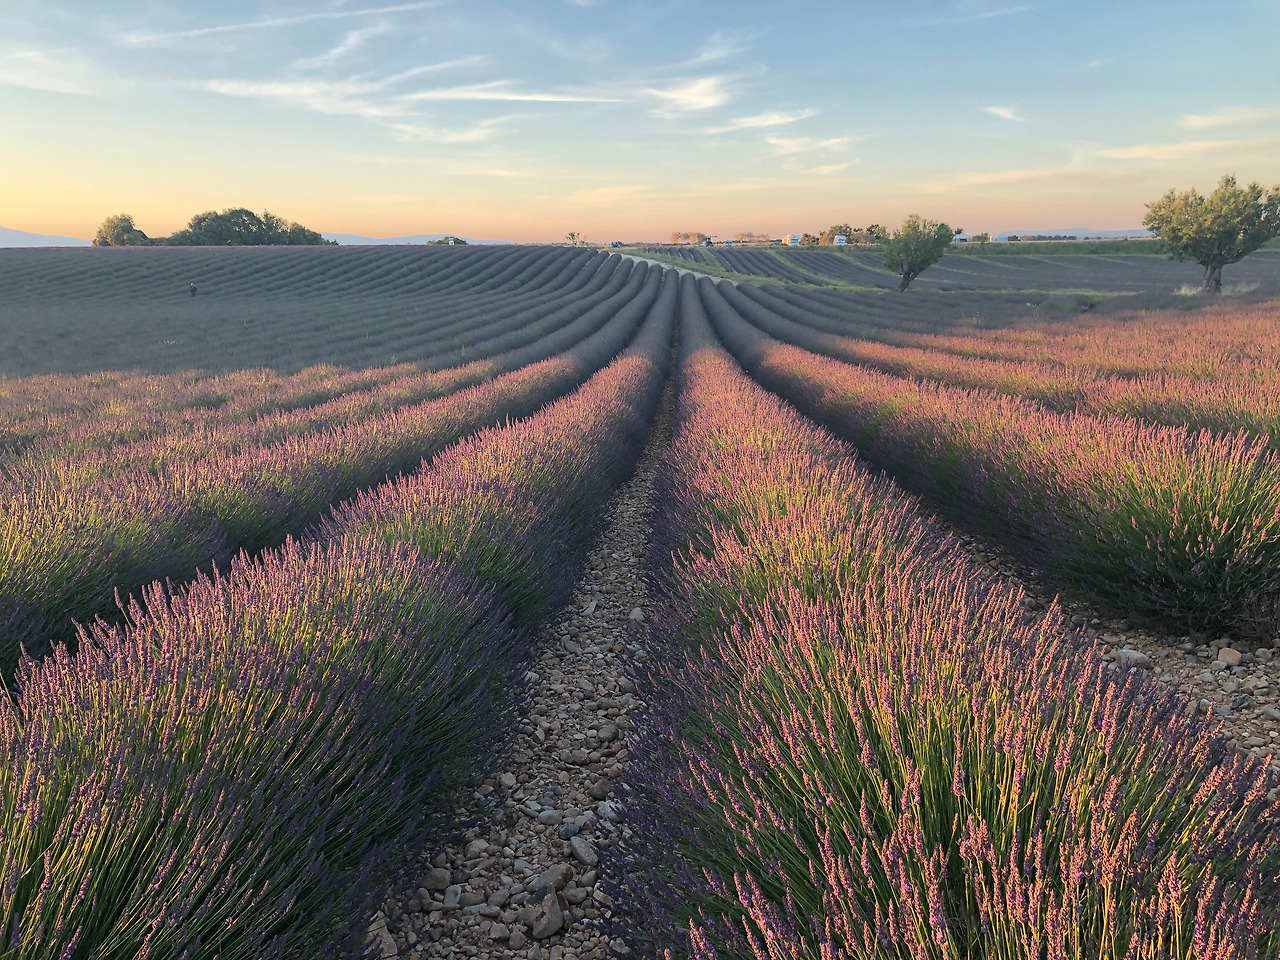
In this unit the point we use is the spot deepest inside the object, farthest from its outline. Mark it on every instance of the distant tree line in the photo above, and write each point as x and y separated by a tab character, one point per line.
235	227
872	234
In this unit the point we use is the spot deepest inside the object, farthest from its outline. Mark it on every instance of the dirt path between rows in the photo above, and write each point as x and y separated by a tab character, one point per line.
522	882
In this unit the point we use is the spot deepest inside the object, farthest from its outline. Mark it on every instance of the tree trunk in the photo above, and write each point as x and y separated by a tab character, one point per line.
907	276
1213	277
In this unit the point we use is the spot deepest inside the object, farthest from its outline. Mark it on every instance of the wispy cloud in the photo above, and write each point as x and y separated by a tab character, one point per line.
373	100
1097	161
352	41
718	46
826	171
142	38
773	118
1229	117
687	96
507	91
973	11
478	132
64	70
788	146
1005	113
338	97
349	97
1174	151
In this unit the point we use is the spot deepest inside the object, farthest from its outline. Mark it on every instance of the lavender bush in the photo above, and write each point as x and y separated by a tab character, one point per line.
65	549
862	748
1169	522
237	770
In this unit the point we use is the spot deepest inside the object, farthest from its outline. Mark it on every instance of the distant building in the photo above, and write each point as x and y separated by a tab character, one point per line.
841	240
793	239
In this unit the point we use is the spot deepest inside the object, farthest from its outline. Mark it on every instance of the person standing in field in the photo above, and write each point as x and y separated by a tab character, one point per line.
193	288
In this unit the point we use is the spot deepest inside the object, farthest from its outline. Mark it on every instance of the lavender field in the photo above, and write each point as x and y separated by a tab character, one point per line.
284	564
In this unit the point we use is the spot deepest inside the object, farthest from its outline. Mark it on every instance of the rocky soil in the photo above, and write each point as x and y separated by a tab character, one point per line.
522	882
1237	682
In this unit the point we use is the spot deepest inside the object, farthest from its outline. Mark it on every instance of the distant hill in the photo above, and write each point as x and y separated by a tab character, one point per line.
1081	232
20	238
356	239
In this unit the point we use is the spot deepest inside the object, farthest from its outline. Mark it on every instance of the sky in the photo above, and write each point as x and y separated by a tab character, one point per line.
628	119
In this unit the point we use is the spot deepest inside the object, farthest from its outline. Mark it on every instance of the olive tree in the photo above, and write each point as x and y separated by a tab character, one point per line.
119	231
1216	230
918	245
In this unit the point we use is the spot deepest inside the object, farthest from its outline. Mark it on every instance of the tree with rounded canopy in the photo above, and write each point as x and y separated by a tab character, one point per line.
837	230
119	231
1216	230
238	226
911	250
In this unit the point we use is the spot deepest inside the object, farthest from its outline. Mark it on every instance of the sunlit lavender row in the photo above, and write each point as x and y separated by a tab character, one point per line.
67	547
1210	341
240	768
1216	375
1162	522
861	747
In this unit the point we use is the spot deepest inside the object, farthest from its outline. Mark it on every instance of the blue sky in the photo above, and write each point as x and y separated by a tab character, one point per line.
629	119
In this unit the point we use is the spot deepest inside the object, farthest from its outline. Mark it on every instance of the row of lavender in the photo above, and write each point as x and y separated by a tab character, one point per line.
110	446
66	548
1224	339
1156	521
47	418
36	406
1217	396
861	748
240	769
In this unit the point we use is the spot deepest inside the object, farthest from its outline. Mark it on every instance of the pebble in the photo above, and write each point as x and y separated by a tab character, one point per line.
583	850
555	877
549	919
1132	658
610	810
386	942
436	879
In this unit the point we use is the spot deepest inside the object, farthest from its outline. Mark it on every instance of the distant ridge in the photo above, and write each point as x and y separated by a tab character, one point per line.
1080	232
356	239
20	238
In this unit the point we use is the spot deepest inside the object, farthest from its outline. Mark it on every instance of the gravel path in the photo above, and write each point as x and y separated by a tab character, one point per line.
522	881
